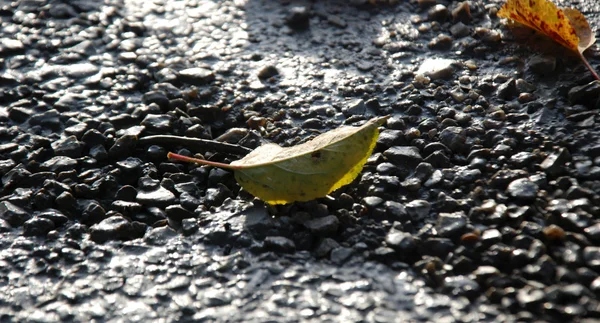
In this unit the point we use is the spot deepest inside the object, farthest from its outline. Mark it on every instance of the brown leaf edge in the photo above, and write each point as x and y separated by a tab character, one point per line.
584	34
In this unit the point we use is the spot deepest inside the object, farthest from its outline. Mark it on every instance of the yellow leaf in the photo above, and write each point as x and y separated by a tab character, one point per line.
568	27
307	171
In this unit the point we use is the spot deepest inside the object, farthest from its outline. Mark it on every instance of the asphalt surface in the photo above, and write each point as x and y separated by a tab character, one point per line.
480	203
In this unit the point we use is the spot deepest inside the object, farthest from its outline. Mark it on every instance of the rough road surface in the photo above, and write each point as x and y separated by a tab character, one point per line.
481	202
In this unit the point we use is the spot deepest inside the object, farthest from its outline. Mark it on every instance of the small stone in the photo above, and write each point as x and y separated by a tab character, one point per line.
37	226
454	138
123	147
159	123
487	35
523	189
593	232
462	12
280	244
337	21
80	70
216	196
437	68
508	90
340	254
459	30
258	222
553	164
98	152
528	296
325	247
441	42
587	94
298	18
403	155
268	72
356	107
461	286
402	242
93	137
591	256
59	164
542	64
178	213
396	211
189	226
161	197
116	228
324	226
554	232
418	209
159	236
451	224
438	12
13	214
10	45
157	97
126	193
69	146
196	76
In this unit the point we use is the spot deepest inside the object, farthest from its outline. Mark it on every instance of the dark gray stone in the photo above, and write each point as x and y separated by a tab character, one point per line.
324	226
37	226
403	155
13	214
280	244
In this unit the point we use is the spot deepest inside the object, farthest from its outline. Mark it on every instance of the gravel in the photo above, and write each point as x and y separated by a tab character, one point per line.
480	202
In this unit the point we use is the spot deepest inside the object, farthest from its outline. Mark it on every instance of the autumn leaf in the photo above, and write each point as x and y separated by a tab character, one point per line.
307	171
567	27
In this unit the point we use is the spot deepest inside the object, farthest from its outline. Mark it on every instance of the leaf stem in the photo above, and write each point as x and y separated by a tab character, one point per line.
196	144
587	64
200	161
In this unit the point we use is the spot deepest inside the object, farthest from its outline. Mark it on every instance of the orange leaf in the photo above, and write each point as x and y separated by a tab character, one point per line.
567	27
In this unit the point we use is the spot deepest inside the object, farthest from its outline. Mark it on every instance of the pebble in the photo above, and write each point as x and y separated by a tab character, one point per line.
159	236
37	226
585	94
451	224
553	164
298	18
178	213
542	64
523	189
116	228
461	286
403	155
160	197
507	90
325	226
10	46
325	246
123	147
13	214
69	146
438	12
441	42
268	72
454	138
196	76
418	209
280	244
79	70
402	242
339	255
437	68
